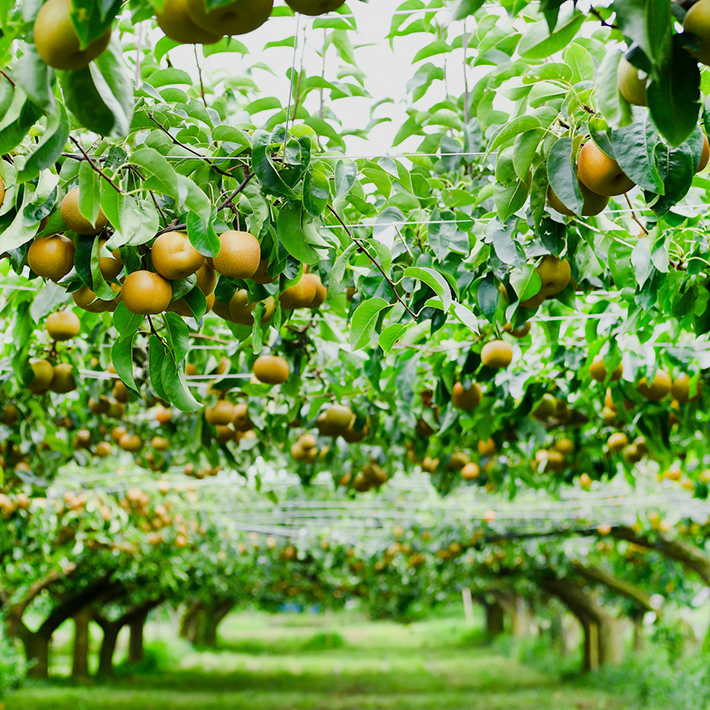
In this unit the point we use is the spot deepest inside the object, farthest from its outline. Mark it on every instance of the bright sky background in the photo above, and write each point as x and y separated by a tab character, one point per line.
387	71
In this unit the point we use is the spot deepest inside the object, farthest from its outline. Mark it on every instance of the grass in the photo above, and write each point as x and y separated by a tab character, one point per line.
290	662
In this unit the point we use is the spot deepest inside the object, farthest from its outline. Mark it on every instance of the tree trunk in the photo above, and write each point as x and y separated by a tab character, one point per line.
136	651
108	648
495	619
188	625
214	620
36	647
80	662
591	659
602	633
611	640
514	606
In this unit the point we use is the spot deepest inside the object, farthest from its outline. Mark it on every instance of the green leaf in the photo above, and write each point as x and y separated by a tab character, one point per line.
316	192
641	261
615	108
89	192
226	44
101	95
125	322
524	150
434	280
122	359
157	353
509	198
562	176
674	96
341	263
153	163
49	148
17	120
436	47
177	335
677	169
540	43
525	281
466	316
202	235
98	283
291	231
92	19
510	130
364	322
634	149
175	386
649	24
265	168
464	8
36	79
345	176
488	297
390	335
195	199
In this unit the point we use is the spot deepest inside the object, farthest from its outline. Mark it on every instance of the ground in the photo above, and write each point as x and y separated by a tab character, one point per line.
305	662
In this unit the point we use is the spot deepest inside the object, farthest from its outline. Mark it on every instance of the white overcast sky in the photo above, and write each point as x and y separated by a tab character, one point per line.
387	71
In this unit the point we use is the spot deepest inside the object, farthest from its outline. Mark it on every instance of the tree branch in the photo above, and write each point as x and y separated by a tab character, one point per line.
362	249
95	167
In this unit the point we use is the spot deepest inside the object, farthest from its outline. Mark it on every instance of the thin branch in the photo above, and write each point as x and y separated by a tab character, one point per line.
95	167
242	185
466	108
189	149
199	73
634	215
362	249
7	76
201	336
293	71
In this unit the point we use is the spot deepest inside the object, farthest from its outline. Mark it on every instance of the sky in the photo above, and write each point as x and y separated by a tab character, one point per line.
387	70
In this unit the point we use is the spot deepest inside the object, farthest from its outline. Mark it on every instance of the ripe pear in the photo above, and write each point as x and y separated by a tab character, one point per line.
43	375
592	204
51	257
271	369
321	292
314	7
110	263
631	86
697	22
87	300
174	257
221	414
63	380
658	389
497	354
235	18
131	442
62	325
103	449
554	273
241	419
600	173
9	415
146	293
239	254
301	294
262	275
334	420
242	310
466	398
598	370
206	279
75	220
57	42
175	21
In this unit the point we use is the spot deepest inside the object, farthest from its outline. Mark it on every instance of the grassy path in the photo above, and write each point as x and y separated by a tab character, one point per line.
277	664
